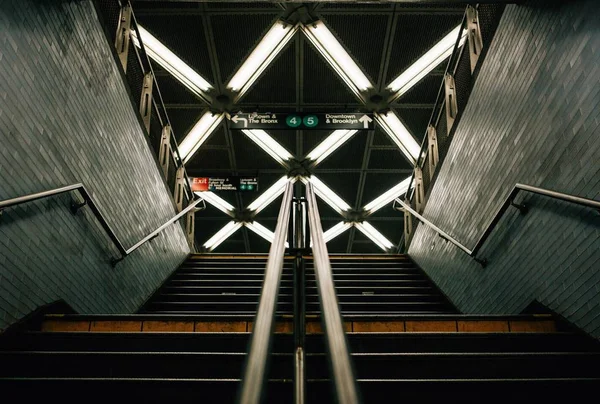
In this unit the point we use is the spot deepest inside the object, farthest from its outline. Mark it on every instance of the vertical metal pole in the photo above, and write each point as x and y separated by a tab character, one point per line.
451	103
178	192
164	152
432	150
190	225
123	35
419	190
474	35
146	100
408	226
299	329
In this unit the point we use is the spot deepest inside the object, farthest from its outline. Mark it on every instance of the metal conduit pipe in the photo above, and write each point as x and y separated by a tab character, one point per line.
256	364
339	356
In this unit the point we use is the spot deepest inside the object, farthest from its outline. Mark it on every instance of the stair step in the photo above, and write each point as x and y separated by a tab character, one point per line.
358	342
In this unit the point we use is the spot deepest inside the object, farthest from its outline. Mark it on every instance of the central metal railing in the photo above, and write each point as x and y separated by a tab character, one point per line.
337	346
254	377
260	342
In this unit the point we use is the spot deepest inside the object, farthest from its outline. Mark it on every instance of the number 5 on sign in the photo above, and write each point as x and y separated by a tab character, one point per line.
311	121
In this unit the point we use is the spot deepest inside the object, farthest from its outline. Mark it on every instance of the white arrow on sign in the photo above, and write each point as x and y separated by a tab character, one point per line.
365	120
236	119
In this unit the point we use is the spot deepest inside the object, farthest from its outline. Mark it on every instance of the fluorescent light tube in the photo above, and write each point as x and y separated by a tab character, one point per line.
330	144
222	235
335	54
327	195
173	64
399	134
426	63
270	195
269	145
336	231
374	235
217	202
263	232
388	196
260	58
199	134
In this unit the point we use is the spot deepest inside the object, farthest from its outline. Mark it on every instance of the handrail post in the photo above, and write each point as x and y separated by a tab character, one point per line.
339	356
256	365
299	329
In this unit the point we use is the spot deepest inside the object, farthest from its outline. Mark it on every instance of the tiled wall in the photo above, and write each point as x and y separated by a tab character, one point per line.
533	117
66	117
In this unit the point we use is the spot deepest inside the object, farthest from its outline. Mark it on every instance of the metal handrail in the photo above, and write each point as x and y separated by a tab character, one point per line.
88	200
339	356
156	232
509	201
256	364
425	140
74	207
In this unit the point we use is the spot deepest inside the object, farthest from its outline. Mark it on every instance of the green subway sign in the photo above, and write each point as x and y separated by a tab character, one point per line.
308	121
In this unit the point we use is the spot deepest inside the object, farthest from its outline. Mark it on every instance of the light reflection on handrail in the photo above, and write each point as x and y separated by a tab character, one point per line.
256	365
339	356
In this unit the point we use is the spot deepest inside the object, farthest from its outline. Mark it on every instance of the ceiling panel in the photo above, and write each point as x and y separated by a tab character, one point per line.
250	156
392	159
235	35
366	49
349	155
321	83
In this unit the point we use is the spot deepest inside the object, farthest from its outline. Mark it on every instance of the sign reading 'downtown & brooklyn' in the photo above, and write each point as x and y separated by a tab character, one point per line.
324	121
232	183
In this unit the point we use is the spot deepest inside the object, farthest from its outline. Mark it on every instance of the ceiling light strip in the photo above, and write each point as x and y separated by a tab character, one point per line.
374	235
263	232
330	144
272	193
199	133
327	195
172	63
388	196
269	145
426	63
218	202
396	130
339	59
222	235
265	52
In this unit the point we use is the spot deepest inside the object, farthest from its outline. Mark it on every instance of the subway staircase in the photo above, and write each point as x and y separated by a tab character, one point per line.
189	342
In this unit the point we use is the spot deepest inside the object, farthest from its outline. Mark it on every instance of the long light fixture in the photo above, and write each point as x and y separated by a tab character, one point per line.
199	134
388	196
330	144
173	64
426	63
222	235
374	235
216	201
269	145
336	230
396	130
335	54
263	232
260	58
327	195
270	194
